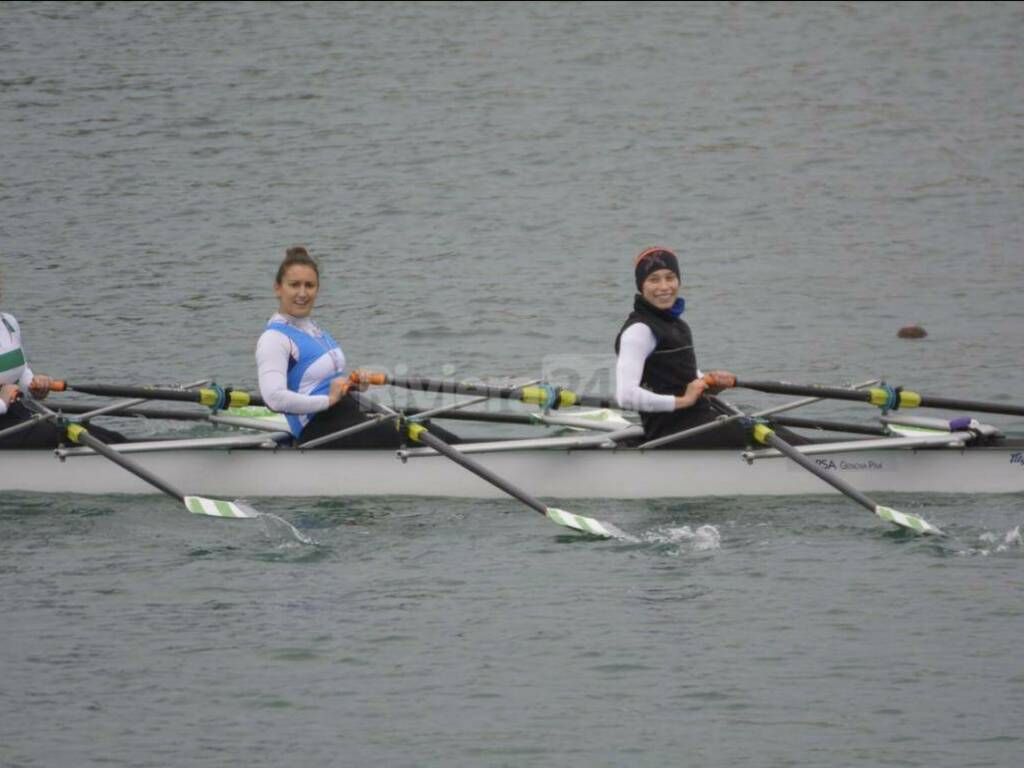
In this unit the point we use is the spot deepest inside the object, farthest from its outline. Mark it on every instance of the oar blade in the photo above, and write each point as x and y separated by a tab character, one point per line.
585	524
199	505
909	522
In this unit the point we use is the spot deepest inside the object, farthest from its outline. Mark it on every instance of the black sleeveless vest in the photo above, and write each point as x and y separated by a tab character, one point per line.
668	370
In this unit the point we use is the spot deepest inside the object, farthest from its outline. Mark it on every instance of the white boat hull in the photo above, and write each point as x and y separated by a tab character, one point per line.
595	473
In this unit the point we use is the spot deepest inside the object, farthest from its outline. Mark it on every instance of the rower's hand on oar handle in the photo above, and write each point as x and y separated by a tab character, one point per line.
339	388
40	386
710	383
361	380
693	393
9	393
719	380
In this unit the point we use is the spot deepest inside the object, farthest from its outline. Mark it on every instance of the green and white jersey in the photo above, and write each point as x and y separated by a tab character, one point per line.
13	366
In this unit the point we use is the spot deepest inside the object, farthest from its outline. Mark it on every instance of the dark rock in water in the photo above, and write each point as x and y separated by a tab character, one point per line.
911	332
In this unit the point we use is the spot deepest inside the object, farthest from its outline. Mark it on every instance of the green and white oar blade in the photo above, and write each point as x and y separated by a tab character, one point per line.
198	505
585	524
910	522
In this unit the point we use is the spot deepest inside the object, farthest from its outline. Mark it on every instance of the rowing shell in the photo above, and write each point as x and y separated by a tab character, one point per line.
620	473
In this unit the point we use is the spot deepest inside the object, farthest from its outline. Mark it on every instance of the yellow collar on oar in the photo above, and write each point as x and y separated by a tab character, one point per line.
890	399
74	431
213	398
762	432
548	396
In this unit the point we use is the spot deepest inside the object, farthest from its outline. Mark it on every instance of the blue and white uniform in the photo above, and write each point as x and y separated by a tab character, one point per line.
297	360
13	366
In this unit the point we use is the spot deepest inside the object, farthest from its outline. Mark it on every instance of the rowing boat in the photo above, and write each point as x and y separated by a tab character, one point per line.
238	467
908	454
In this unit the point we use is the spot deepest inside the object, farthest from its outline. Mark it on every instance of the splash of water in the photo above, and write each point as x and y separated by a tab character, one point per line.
995	543
277	528
705	538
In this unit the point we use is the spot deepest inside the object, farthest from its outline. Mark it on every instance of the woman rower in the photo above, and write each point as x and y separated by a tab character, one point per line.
15	378
302	369
656	360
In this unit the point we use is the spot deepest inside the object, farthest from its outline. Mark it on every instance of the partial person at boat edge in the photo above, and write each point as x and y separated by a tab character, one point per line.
301	367
656	361
16	377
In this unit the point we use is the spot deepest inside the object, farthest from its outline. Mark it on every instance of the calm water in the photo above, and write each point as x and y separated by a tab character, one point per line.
476	179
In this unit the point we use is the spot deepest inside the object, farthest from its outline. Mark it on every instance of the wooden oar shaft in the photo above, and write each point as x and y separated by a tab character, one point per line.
204	396
420	434
840	485
172	414
766	435
786	388
929	401
829	426
481	471
536	395
83	437
880	396
201	415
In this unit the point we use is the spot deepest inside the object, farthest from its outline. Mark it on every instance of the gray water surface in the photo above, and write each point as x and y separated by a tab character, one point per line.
475	179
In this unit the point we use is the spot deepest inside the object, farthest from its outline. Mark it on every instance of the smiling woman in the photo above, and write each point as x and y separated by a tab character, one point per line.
302	368
656	371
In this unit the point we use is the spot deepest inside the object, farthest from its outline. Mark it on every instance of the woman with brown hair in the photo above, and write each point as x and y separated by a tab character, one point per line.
302	368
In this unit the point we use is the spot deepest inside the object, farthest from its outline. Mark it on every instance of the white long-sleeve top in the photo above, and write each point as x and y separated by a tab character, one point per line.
13	364
636	344
274	350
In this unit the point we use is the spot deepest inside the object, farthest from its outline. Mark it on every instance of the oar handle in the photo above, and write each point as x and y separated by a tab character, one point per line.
719	380
368	378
